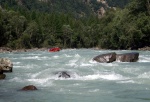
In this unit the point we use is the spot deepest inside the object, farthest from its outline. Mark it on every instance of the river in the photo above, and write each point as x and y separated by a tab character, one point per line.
90	81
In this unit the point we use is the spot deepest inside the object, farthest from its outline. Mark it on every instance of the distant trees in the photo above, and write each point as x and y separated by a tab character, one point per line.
67	35
12	27
127	28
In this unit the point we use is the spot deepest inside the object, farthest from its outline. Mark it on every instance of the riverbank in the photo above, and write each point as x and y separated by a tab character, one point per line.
145	48
9	50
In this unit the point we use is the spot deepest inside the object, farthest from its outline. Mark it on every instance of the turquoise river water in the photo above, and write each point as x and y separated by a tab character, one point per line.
90	81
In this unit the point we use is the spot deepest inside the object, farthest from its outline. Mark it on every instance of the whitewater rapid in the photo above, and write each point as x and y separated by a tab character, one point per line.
88	78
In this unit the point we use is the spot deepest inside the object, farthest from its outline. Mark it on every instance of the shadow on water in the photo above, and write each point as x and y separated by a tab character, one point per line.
135	95
146	99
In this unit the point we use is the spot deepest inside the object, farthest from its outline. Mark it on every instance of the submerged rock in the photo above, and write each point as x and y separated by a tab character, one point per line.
2	76
29	87
105	58
63	74
128	57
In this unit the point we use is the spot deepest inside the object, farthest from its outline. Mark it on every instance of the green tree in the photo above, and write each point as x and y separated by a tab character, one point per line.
33	31
67	35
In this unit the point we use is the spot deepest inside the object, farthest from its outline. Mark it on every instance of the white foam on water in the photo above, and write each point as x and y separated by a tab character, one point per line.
66	50
77	55
108	76
72	63
32	79
130	70
127	81
43	82
14	63
29	66
43	58
77	84
94	90
74	76
16	79
109	64
56	56
144	75
104	77
31	57
92	61
144	59
36	57
67	55
85	64
47	64
112	77
45	73
15	66
84	75
35	75
91	77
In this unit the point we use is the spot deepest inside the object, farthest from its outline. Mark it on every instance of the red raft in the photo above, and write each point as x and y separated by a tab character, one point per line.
55	49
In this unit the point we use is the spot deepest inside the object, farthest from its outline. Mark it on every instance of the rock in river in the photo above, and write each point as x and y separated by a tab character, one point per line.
128	57
5	66
106	58
63	74
29	88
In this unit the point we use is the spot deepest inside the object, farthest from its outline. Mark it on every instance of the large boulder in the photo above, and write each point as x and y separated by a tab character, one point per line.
5	65
128	57
106	58
29	88
63	74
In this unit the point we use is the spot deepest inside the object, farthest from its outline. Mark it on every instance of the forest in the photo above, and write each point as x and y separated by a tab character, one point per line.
28	27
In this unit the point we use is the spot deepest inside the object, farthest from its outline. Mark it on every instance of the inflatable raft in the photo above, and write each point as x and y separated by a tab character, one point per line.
55	49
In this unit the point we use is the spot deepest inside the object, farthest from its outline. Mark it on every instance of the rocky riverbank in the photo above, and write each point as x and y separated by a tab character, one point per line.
9	50
145	48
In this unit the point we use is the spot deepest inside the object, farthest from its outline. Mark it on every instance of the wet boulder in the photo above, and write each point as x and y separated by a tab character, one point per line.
106	58
63	74
29	88
128	57
5	65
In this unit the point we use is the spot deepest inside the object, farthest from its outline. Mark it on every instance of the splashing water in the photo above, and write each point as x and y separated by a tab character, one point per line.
90	81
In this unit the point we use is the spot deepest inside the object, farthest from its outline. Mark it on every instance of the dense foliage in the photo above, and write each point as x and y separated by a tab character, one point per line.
26	27
118	3
76	7
129	28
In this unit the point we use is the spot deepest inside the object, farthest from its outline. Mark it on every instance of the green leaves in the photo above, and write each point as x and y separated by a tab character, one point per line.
118	29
